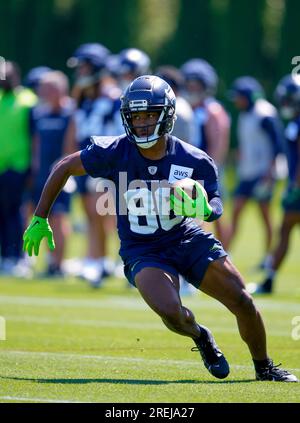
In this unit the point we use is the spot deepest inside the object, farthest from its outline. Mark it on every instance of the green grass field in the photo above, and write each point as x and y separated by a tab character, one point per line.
67	343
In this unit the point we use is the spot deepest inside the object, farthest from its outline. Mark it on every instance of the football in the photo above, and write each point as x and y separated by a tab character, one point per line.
188	185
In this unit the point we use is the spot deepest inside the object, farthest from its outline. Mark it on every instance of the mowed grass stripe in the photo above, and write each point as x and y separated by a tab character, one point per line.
168	362
136	303
123	324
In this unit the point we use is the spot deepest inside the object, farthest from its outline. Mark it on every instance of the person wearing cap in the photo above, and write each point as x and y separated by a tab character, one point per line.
259	136
287	97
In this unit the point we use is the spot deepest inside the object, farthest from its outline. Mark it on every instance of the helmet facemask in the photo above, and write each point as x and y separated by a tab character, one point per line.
164	124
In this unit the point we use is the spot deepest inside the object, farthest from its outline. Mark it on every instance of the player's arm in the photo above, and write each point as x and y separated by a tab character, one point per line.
39	227
217	131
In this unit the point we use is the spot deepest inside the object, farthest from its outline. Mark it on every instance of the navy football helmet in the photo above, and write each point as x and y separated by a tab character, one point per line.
133	61
89	61
148	93
287	96
248	87
200	70
32	79
93	53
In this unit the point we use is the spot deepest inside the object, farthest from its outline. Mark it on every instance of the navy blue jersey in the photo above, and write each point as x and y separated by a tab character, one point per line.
50	127
292	134
95	117
145	221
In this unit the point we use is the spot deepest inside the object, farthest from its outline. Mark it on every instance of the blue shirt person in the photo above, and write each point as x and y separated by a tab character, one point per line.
287	95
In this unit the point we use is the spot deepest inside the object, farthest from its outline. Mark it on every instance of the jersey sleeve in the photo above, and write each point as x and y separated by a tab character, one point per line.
99	159
207	173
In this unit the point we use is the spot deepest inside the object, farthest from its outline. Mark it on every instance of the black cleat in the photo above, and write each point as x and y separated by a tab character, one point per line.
213	358
273	373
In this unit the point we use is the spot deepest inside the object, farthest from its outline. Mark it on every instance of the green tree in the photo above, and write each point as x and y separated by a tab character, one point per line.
193	34
290	35
243	37
108	22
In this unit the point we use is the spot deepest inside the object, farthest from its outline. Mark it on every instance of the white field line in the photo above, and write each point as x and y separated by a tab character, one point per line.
24	399
122	324
104	303
64	356
86	323
137	303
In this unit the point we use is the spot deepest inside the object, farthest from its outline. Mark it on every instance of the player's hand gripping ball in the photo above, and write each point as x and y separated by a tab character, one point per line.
189	198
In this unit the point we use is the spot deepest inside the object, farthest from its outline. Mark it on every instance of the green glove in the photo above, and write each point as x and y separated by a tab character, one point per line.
36	231
187	206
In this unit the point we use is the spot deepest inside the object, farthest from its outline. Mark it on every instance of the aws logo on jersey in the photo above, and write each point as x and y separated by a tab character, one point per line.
179	172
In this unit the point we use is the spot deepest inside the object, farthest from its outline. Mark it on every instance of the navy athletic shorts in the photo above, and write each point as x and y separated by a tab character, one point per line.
256	189
190	257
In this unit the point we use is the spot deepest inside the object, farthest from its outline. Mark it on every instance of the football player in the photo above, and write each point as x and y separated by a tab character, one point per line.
157	242
93	115
125	67
287	96
33	77
259	136
183	129
211	121
50	119
129	64
184	123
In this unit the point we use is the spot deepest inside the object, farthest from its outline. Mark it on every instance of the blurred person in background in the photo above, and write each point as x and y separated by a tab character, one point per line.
50	119
129	64
287	96
184	123
33	77
125	66
259	134
93	115
211	121
15	159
